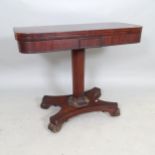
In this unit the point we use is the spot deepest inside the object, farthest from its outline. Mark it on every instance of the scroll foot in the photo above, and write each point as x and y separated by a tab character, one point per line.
115	112
54	127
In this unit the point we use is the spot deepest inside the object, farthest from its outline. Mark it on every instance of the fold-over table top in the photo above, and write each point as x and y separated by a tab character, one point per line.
75	27
71	36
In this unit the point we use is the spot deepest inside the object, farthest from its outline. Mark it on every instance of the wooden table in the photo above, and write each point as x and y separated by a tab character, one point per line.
76	38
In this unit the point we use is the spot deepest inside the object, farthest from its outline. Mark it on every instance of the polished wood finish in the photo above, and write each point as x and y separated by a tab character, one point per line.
78	58
76	38
57	38
68	111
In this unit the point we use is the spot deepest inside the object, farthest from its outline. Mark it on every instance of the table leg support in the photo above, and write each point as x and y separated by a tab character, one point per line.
80	101
68	111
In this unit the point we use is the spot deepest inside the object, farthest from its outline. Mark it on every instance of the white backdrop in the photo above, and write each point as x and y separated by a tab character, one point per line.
129	64
26	78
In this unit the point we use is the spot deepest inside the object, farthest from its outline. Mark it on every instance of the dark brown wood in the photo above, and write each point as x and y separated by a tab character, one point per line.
68	111
57	38
76	38
78	57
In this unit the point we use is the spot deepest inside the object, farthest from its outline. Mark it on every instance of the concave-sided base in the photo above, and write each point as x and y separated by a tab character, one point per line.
69	110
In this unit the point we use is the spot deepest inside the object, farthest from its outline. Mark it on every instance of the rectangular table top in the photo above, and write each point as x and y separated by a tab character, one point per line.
74	27
64	37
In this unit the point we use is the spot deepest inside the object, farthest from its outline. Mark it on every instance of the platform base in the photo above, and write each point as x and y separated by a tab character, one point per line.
69	109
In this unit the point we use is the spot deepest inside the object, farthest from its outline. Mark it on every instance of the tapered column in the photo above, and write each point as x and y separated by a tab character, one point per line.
78	60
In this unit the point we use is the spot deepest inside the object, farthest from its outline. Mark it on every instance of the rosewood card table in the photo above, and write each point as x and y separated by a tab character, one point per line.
76	38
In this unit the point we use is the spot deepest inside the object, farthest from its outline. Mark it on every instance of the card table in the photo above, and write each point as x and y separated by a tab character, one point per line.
77	38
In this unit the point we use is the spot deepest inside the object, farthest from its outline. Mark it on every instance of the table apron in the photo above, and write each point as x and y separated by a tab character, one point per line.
76	43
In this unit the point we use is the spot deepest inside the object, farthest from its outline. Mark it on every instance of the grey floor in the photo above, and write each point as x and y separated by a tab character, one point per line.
23	126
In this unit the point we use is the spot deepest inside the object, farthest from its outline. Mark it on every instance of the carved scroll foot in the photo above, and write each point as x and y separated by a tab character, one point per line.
48	101
111	108
115	112
54	128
